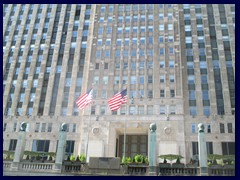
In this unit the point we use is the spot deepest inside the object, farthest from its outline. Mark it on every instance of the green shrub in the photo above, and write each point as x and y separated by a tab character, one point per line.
138	158
82	158
72	158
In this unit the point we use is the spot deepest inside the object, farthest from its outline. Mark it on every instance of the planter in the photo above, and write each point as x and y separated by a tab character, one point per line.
137	168
164	165
178	165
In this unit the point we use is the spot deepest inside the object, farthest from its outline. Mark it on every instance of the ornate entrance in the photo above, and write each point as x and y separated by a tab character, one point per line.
135	144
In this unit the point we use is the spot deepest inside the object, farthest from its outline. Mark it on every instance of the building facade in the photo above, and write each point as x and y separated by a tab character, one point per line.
177	62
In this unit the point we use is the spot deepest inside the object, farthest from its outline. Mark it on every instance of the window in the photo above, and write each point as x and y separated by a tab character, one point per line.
140	110
149	110
193	128
105	79
40	145
161	51
171	64
229	126
193	110
171	78
206	110
172	93
191	79
150	94
162	78
208	127
172	109
204	79
12	145
43	127
69	147
98	53
141	64
162	93
222	129
133	79
49	127
93	110
104	93
131	110
228	148
162	64
171	50
161	39
102	109
150	79
141	79
96	80
37	127
162	109
5	126
192	95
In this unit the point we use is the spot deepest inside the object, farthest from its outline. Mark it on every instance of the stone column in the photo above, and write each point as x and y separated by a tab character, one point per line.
152	150
61	148
18	155
202	149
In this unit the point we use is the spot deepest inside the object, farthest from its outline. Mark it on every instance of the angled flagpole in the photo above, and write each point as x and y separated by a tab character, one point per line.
86	149
82	102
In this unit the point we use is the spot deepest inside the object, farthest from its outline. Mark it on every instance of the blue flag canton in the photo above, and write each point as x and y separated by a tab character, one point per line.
124	93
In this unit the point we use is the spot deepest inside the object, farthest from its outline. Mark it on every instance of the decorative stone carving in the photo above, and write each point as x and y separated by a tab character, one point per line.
167	130
95	131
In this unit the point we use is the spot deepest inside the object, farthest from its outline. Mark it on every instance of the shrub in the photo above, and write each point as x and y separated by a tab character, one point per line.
82	158
72	158
138	158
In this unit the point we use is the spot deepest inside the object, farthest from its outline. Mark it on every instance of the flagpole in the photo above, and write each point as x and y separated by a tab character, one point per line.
88	132
124	141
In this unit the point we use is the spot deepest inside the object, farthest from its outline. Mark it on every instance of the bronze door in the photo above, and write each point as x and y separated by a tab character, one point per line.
135	144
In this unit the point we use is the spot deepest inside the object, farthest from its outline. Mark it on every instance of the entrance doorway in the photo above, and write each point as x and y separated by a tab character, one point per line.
135	144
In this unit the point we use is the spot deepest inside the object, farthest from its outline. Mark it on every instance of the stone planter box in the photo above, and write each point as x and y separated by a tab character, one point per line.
135	168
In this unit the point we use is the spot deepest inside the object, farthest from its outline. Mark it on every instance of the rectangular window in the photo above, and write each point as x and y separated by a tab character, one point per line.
172	109
133	79
162	93
172	93
193	128
131	110
229	126
150	79
228	148
37	127
12	145
140	110
141	79
40	145
93	110
49	127
162	109
171	78
193	110
102	110
69	147
222	129
208	128
43	127
149	110
150	94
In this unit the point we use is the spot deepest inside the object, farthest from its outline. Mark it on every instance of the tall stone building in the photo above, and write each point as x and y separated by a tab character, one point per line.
177	62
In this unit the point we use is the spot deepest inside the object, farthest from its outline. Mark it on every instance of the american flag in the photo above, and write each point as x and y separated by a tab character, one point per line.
85	99
118	99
